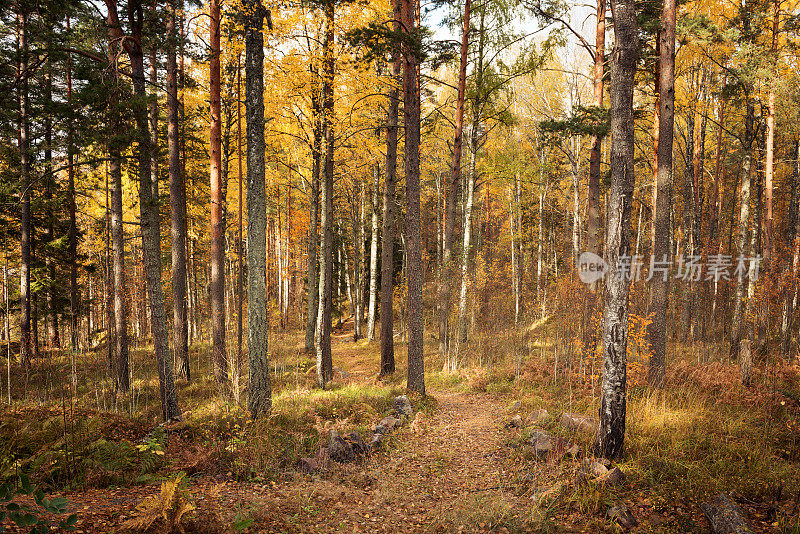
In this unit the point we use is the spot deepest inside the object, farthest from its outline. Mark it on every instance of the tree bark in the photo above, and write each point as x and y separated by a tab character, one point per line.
177	203
323	329
659	285
389	210
74	303
452	193
593	198
617	243
217	205
313	232
373	255
259	400
26	225
411	119
150	217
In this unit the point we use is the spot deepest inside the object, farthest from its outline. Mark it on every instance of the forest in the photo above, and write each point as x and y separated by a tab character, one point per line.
400	266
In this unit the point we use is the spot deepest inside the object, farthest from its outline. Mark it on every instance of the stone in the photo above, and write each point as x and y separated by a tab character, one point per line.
725	516
594	468
574	451
515	407
579	422
340	450
376	439
515	422
388	423
622	515
307	465
358	444
612	477
539	415
542	443
402	406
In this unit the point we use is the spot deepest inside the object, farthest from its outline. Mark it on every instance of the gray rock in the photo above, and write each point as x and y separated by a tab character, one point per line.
612	477
539	415
358	444
376	439
726	516
515	422
402	406
340	449
542	443
594	468
515	407
622	515
579	422
388	423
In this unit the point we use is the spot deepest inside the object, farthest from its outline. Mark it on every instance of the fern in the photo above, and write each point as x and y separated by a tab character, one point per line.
170	505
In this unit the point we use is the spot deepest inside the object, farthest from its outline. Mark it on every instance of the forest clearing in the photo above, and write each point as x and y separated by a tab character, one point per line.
391	266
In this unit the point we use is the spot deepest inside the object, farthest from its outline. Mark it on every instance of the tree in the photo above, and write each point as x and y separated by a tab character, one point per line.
259	400
661	240
373	254
323	328
177	201
389	207
411	120
313	234
25	195
615	316
451	199
217	204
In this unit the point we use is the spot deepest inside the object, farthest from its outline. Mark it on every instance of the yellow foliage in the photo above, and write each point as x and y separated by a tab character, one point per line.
171	504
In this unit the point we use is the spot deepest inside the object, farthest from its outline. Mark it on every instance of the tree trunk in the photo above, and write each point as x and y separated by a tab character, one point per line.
313	233
259	400
593	198
358	250
217	205
615	316
769	163
659	285
411	118
373	255
177	204
240	273
744	223
389	210
150	218
451	198
464	276
26	225
323	329
74	303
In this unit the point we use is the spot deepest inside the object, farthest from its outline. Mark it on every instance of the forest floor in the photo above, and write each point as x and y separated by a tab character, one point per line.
458	467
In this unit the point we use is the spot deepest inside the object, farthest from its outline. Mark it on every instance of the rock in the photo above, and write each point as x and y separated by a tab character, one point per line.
594	468
307	465
559	450
542	443
539	415
574	451
515	422
612	477
376	439
340	450
725	516
358	444
388	423
579	422
515	407
622	516
402	406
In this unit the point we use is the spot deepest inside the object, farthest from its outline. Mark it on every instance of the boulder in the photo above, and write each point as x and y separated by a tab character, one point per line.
594	468
579	422
726	516
515	407
387	423
515	422
542	443
340	449
612	477
622	515
539	415
358	445
402	406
